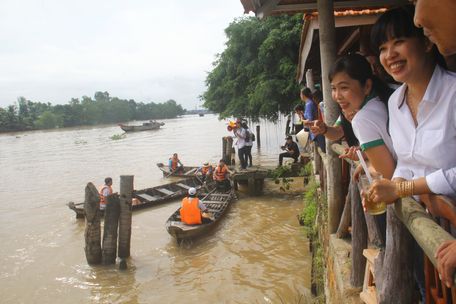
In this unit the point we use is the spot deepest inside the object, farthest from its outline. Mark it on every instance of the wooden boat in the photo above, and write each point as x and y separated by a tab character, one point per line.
150	125
201	114
217	204
188	171
151	196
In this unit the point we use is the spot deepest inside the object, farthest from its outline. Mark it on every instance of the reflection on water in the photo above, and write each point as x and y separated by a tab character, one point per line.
257	254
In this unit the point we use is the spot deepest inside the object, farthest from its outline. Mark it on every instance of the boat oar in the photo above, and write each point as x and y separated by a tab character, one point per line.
170	173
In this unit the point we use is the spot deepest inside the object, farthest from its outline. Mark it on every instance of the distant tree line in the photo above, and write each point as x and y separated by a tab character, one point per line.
103	109
255	75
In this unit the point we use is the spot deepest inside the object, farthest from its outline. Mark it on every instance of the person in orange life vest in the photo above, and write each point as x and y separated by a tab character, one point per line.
105	191
221	175
175	164
205	170
193	211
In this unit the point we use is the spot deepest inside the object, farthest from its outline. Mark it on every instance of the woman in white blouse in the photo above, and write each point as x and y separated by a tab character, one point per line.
422	112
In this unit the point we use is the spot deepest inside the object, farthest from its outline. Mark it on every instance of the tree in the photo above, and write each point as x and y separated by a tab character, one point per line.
255	74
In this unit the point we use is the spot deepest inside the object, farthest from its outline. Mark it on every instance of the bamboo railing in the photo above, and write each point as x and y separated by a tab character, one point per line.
407	221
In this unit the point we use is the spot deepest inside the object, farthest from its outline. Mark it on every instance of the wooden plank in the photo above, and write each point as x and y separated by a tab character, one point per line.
147	197
183	186
164	191
214	202
190	171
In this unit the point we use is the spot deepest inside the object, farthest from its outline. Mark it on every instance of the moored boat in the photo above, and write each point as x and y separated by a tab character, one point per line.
150	125
151	196
187	171
217	204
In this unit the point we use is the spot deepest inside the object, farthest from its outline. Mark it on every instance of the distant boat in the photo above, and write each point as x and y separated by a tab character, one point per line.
150	125
201	114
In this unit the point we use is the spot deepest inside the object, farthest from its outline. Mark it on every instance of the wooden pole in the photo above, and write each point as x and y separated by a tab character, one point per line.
359	238
126	192
258	136
111	223
92	234
328	57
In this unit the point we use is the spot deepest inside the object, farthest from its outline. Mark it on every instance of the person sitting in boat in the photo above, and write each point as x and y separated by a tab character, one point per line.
193	211
221	176
175	165
105	191
205	170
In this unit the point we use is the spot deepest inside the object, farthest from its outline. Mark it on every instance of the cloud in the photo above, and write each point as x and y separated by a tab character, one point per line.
146	50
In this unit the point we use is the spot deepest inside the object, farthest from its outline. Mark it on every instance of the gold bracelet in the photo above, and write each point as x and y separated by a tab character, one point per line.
405	188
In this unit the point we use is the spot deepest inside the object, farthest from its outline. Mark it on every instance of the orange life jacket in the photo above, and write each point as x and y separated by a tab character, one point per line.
220	173
174	162
206	169
103	200
190	212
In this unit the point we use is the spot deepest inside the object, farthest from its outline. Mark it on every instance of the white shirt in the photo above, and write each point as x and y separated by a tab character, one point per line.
240	135
370	126
429	150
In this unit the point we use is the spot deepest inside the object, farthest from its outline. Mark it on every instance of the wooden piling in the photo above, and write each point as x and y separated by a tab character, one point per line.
126	192
92	234
111	223
228	150
258	136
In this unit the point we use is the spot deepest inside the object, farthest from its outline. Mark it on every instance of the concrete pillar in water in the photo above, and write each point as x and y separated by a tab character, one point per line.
328	57
126	192
111	223
92	234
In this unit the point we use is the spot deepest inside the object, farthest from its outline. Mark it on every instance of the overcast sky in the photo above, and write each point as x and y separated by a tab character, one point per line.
148	50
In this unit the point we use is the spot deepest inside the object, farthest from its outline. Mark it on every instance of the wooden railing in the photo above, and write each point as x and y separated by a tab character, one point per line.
429	228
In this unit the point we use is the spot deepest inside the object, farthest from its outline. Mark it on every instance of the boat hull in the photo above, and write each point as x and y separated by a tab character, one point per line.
150	197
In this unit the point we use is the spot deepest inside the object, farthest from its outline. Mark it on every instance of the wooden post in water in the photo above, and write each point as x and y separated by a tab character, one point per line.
258	136
92	234
111	223
126	192
227	150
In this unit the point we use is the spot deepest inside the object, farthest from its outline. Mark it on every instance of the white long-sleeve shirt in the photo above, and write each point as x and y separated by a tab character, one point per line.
428	150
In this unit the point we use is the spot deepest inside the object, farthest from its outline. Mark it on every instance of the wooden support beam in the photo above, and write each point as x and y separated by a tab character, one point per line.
338	5
92	233
126	192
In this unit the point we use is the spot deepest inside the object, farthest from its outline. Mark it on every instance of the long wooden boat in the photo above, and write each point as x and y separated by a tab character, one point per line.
151	196
188	171
150	125
217	204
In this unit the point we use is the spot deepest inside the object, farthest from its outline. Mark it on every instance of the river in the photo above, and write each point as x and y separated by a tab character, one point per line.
258	253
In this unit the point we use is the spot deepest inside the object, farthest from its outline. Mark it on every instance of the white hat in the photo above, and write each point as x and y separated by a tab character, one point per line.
192	191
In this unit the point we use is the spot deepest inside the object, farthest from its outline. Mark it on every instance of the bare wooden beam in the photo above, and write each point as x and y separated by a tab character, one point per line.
266	8
312	7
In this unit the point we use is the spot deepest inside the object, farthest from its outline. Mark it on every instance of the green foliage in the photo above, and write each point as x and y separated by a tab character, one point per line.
117	136
103	109
306	170
278	175
49	120
255	74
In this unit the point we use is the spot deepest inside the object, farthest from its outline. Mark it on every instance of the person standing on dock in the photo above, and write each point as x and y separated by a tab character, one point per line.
105	191
175	165
291	150
193	211
221	175
240	134
249	138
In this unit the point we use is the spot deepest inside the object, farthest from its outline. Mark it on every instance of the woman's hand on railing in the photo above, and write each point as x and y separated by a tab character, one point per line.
446	261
